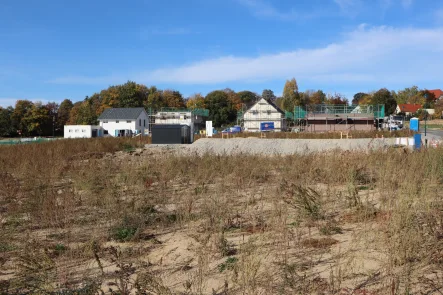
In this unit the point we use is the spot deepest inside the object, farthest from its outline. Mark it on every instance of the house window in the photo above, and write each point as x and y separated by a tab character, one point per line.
144	123
76	130
106	121
83	130
70	130
139	122
129	121
106	132
117	121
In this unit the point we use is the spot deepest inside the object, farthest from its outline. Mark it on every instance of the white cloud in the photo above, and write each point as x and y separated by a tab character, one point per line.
263	9
366	55
354	7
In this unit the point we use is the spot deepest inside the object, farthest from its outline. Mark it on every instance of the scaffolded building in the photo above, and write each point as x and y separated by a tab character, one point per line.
325	118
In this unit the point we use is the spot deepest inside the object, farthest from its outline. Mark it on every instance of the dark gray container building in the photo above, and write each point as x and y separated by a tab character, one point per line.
171	134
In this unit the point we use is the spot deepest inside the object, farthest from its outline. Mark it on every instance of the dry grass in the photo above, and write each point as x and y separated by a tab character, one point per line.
79	216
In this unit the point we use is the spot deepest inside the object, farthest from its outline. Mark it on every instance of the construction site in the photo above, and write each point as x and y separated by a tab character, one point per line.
326	118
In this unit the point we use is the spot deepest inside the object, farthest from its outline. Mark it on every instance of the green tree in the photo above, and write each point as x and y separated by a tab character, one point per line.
154	100
63	114
173	99
84	113
221	111
317	97
291	97
384	96
430	99
131	94
337	99
269	95
53	108
196	101
234	99
6	128
38	120
249	98
357	97
22	107
406	95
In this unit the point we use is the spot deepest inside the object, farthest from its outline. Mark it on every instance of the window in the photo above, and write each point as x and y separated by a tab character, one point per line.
83	130
117	121
106	132
70	130
76	130
144	123
129	121
139	122
105	121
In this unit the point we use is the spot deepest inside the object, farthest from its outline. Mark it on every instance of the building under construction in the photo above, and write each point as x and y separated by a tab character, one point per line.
325	118
194	118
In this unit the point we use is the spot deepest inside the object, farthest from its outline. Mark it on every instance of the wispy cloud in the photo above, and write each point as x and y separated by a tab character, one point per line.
354	7
366	55
349	6
263	9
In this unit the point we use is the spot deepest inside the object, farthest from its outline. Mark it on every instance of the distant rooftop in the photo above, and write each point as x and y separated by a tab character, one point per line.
121	114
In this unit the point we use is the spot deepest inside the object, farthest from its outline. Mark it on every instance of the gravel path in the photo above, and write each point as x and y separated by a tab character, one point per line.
276	146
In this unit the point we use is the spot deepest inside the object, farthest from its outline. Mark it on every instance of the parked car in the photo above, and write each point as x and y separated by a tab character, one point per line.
235	129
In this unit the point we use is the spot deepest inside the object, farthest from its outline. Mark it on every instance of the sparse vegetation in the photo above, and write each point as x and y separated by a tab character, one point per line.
85	216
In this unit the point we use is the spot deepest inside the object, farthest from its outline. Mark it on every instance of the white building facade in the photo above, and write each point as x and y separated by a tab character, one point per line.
82	131
263	111
124	121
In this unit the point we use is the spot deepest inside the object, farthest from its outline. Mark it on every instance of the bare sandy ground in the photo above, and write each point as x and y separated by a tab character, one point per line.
258	146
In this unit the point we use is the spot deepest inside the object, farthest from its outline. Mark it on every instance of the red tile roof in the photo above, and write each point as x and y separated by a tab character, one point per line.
409	108
437	92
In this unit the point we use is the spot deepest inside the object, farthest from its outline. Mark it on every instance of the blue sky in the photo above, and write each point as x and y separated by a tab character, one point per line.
51	50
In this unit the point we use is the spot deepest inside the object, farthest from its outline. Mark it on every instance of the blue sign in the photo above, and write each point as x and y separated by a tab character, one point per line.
266	126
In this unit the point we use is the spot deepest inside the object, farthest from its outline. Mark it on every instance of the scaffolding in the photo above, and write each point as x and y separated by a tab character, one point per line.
338	117
196	112
169	115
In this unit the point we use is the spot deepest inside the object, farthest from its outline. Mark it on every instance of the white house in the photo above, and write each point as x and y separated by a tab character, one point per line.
83	131
124	121
264	111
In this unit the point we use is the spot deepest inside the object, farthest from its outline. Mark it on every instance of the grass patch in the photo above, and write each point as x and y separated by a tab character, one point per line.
229	264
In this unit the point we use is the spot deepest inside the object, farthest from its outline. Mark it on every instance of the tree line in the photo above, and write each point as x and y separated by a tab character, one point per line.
28	118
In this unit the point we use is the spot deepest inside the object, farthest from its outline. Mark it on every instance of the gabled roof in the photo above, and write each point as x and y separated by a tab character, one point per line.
409	108
121	114
268	102
437	93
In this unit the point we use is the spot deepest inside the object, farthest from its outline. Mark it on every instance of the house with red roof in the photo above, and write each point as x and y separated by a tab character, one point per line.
408	109
438	93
